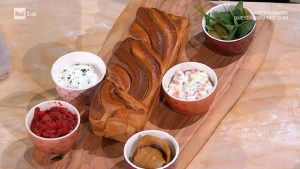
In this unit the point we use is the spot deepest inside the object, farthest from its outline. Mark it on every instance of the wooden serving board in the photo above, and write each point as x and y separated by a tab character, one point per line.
234	74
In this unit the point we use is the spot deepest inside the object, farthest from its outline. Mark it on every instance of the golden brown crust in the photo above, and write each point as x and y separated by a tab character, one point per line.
139	74
122	103
119	76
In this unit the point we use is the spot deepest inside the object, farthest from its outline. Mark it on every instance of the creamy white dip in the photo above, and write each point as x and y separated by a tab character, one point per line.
78	76
190	85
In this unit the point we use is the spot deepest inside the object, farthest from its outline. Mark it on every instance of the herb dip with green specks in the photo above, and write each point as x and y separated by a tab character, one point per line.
78	76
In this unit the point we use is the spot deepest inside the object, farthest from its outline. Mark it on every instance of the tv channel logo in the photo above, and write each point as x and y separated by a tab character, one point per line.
19	13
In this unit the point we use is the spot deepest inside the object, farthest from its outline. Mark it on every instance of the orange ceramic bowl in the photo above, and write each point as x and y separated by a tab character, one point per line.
228	47
59	145
190	107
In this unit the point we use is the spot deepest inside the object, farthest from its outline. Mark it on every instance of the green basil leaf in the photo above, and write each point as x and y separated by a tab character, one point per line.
224	17
245	28
234	18
230	28
200	10
212	22
231	35
239	9
207	21
228	25
209	28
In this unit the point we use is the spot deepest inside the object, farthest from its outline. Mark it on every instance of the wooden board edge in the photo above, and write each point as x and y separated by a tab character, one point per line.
190	151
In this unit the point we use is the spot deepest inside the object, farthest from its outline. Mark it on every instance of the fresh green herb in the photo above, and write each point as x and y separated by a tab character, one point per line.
239	9
224	17
228	25
245	27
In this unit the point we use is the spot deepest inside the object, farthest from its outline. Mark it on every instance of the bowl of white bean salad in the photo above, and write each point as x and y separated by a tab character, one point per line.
190	87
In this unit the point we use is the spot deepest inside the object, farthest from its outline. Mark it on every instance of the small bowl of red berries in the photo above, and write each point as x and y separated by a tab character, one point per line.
53	126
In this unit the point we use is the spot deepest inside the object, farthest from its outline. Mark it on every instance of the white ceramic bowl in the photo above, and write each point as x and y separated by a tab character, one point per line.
77	97
170	140
228	47
189	107
58	145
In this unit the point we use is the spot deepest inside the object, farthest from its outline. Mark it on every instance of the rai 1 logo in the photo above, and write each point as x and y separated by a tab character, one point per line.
22	13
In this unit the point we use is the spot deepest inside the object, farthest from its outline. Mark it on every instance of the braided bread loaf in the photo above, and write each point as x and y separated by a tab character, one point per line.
123	102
